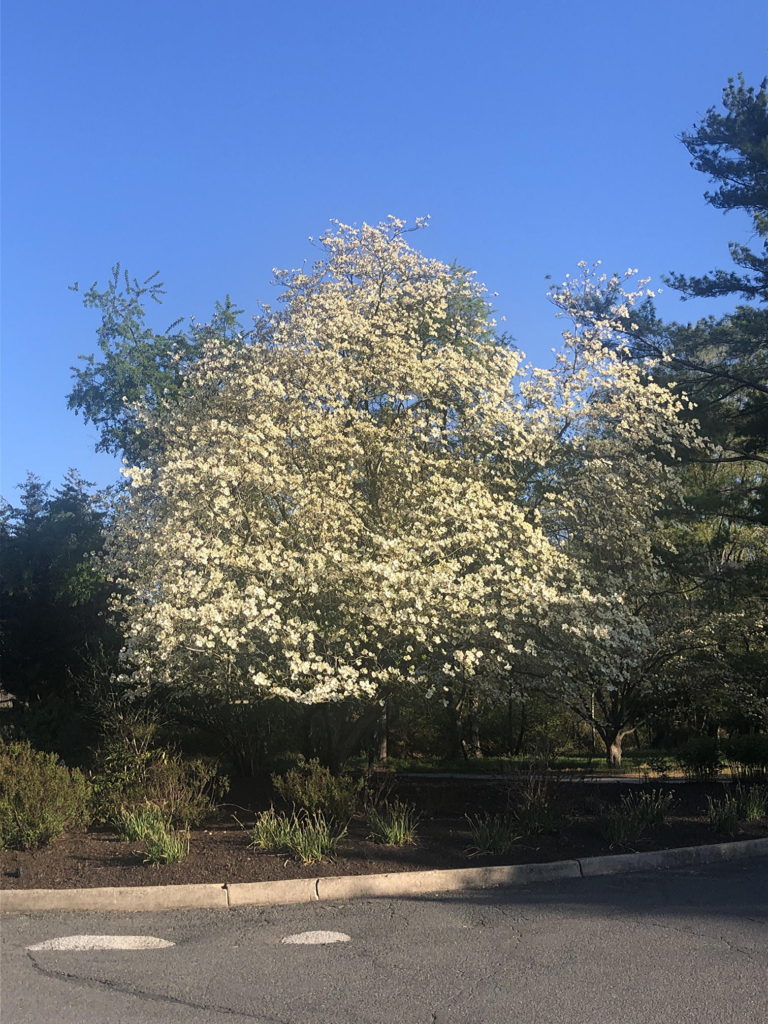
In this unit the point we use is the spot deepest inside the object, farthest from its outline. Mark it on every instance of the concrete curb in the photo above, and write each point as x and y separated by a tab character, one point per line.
264	894
130	897
412	883
683	856
346	887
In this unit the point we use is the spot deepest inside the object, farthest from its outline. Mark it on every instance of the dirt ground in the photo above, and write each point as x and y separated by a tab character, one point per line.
220	852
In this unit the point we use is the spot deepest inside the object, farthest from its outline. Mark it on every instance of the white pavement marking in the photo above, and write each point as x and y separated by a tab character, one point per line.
84	942
315	938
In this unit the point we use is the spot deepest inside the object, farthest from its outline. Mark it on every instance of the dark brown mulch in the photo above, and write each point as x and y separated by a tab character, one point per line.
220	852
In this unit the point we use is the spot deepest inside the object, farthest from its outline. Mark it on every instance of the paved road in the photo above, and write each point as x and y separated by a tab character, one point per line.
683	947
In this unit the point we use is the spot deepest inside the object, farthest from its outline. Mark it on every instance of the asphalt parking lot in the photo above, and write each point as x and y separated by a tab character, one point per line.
667	947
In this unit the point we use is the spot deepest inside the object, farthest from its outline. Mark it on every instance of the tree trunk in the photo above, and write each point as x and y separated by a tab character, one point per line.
457	748
518	746
475	746
381	736
613	752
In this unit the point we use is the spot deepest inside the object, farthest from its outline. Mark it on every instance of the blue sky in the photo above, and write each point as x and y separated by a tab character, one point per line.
208	141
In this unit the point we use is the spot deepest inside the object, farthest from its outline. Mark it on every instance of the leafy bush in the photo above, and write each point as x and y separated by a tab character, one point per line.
309	786
724	814
307	837
166	845
700	758
39	798
752	802
659	764
185	791
492	833
748	756
393	823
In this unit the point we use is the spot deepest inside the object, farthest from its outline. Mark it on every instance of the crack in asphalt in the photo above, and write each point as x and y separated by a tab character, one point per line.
755	955
155	997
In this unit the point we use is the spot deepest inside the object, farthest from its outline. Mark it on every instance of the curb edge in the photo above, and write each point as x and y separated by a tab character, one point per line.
343	887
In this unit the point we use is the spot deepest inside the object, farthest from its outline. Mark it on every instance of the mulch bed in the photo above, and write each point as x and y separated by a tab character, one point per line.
219	852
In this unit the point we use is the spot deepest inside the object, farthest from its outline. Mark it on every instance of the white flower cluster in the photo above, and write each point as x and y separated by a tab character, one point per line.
381	495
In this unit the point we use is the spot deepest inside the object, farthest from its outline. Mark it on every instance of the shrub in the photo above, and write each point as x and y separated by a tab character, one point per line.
166	845
307	837
185	791
752	802
748	756
660	764
492	833
700	758
723	814
309	786
393	823
39	798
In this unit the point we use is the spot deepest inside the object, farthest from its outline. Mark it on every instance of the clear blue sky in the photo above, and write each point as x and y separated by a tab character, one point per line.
208	140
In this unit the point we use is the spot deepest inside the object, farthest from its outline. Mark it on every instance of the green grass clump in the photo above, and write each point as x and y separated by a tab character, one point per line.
271	832
724	814
651	807
166	846
635	813
492	833
135	825
39	798
309	838
536	812
620	826
394	823
752	802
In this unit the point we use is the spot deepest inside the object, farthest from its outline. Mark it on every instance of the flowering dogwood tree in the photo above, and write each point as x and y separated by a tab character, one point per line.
377	494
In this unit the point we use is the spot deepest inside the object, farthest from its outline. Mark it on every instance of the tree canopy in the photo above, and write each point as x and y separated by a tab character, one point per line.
380	497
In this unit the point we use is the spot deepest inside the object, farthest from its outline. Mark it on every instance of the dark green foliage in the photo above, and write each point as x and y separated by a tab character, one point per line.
54	630
126	779
731	148
722	362
701	758
39	797
310	786
748	756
